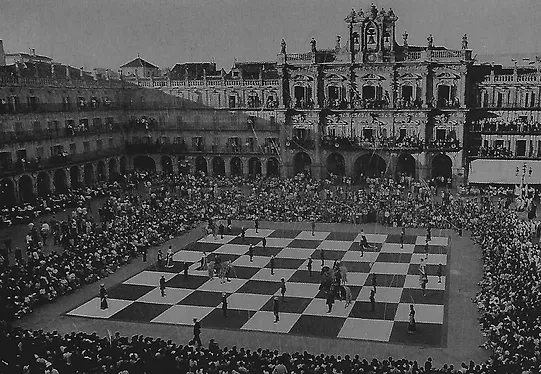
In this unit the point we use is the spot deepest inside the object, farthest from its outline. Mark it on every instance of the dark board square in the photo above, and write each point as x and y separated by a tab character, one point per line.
430	269
286	263
387	280
193	282
224	257
128	291
235	319
247	240
415	296
302	243
203	247
356	267
285	234
267	252
395	238
330	255
202	298
303	276
394	257
355	290
259	287
374	247
243	272
234	230
290	305
320	326
432	249
427	334
363	309
342	236
140	312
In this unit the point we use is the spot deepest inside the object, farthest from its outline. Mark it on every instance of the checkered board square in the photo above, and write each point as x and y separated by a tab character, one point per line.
254	282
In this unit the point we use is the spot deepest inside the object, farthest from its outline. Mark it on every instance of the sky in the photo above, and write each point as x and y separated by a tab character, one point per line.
109	33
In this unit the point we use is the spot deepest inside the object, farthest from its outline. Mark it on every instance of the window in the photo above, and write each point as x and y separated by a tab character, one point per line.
233	119
111	142
19	127
73	148
21	155
368	133
272	121
232	101
83	124
180	120
96	124
498	143
13	103
86	146
532	100
250	142
32	103
521	148
94	103
36	128
107	102
198	143
40	152
81	102
440	134
99	144
57	150
499	104
403	133
66	104
70	127
164	140
179	140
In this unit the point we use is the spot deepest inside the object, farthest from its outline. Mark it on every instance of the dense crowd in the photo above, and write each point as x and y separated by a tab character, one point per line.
509	300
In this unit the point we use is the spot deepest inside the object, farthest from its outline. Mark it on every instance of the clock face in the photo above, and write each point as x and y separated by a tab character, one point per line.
372	57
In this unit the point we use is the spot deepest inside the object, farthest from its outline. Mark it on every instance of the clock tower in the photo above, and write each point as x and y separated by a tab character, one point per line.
372	35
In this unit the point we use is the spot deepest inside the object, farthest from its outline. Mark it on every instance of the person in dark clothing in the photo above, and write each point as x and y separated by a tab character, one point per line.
322	256
145	252
439	272
276	308
224	304
162	286
243	234
186	265
313	228
251	252
330	300
373	300
272	265
103	297
310	267
160	259
402	236
411	324
222	230
256	225
374	280
229	225
264	242
283	288
197	332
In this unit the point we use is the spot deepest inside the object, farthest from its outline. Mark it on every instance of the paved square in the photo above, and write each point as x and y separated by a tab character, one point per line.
304	311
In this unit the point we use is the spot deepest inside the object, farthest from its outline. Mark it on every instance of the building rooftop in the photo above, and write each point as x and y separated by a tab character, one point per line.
139	63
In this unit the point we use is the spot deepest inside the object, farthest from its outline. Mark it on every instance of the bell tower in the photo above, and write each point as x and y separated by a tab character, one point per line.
372	35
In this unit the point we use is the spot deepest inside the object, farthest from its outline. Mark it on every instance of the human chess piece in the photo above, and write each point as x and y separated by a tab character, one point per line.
103	297
283	47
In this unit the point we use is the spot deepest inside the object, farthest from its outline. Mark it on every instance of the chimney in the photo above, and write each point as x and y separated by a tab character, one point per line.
2	54
81	72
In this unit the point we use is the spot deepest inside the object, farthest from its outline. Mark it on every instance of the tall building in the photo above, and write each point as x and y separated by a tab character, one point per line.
368	106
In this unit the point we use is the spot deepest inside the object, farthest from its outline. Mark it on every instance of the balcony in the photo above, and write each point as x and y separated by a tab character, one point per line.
520	128
409	144
10	137
441	145
299	143
157	148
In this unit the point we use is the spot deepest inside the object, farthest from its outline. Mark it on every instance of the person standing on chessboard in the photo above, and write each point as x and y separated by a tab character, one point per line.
264	242
373	299
276	309
256	225
243	234
229	224
224	304
103	297
169	260
162	286
313	228
272	265
222	230
322	256
251	252
283	289
411	324
402	236
160	259
309	266
197	332
440	272
429	232
363	243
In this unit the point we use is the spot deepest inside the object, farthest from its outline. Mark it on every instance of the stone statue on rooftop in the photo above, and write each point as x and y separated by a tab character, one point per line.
313	44
283	46
465	41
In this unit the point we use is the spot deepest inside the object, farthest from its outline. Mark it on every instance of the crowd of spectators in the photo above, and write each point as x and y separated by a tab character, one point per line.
509	301
501	125
492	152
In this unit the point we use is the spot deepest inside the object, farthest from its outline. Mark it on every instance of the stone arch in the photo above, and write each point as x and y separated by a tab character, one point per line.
236	166
336	164
7	192
183	165
167	164
60	181
75	177
273	167
370	165
201	165
102	175
89	174
123	165
442	166
113	169
405	165
254	167
143	162
43	184
302	163
26	188
218	166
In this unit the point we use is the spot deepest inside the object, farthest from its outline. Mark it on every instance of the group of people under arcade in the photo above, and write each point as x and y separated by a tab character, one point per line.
169	206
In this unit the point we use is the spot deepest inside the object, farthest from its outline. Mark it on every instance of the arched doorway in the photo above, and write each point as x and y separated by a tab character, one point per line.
60	181
7	192
123	165
302	163
75	177
43	184
201	165
442	167
183	166
101	171
145	163
336	164
26	192
236	167
273	167
113	169
405	165
167	165
218	166
89	174
254	167
370	165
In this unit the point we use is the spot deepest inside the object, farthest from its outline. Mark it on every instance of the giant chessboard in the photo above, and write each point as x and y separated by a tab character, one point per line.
304	311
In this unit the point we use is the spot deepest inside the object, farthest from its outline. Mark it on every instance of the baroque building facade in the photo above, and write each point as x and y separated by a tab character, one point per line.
368	106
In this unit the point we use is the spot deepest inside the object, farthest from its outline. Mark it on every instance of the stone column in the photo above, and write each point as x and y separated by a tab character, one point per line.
227	164
264	167
174	161
68	177
245	166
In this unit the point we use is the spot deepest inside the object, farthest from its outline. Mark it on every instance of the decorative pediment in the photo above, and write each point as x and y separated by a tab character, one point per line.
410	76
302	78
301	121
447	75
373	77
334	119
335	77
